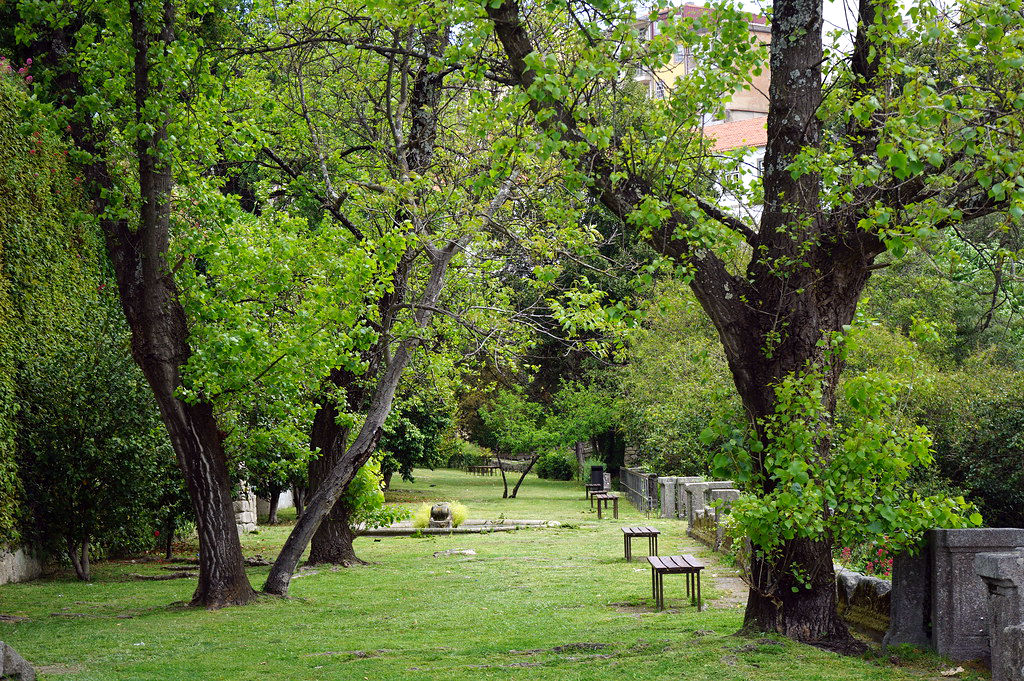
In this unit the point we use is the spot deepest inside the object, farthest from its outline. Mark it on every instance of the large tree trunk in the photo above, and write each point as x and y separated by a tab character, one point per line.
78	554
332	542
160	337
806	274
275	500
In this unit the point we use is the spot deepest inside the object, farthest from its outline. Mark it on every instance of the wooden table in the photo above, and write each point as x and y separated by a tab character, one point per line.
642	531
605	497
675	565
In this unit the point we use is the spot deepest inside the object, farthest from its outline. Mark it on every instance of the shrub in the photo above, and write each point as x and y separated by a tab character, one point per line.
462	453
421	516
557	465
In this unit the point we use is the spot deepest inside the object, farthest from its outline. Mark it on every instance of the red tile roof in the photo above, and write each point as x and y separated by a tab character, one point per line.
746	133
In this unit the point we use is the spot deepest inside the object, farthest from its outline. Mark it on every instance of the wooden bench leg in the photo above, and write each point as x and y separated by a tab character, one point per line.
661	590
700	604
615	508
598	509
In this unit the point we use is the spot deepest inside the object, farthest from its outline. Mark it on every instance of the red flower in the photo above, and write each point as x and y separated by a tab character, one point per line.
881	552
156	533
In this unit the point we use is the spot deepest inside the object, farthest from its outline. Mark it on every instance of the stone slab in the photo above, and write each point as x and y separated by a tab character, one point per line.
910	606
1003	575
960	618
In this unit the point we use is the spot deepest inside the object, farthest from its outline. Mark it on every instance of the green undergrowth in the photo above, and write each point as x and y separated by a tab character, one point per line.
553	603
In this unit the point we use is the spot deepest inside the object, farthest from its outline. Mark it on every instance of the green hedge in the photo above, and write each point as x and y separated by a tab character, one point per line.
49	255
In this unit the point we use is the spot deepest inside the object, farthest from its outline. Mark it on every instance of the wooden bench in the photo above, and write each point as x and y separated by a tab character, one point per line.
643	531
605	497
675	565
592	488
482	470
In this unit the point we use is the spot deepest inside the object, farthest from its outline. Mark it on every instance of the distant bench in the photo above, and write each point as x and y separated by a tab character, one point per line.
605	497
482	470
675	565
642	531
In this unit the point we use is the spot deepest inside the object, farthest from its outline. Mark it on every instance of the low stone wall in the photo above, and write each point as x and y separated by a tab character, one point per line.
17	565
864	602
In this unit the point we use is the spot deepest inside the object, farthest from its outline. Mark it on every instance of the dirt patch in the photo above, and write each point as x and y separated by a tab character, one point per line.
57	669
731	589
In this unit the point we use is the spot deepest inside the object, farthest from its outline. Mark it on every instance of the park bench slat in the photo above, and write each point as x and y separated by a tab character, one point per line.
693	561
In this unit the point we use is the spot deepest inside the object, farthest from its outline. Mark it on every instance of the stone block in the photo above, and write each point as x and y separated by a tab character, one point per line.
910	607
726	497
960	619
14	666
1013	639
864	602
1003	575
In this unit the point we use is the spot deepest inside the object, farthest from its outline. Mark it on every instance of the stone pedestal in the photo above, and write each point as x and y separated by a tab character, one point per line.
698	495
960	618
910	605
1003	576
667	487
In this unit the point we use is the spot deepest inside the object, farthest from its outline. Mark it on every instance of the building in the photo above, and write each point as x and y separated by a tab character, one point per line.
744	103
751	135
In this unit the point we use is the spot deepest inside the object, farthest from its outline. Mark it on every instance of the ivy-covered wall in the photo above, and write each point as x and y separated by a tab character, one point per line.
50	255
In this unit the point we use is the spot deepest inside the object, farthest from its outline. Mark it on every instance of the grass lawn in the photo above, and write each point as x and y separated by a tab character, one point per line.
558	603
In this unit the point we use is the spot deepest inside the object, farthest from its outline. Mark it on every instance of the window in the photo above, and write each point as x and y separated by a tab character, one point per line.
659	90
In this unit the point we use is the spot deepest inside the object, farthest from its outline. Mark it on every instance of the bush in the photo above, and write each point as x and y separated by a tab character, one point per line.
421	516
557	465
462	453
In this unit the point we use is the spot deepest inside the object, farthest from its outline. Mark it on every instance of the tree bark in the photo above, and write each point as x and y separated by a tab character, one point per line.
160	333
504	478
299	496
335	539
771	320
275	499
169	530
78	554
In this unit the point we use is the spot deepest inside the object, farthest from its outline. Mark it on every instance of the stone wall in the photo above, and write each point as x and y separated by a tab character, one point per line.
16	565
1003	575
245	510
864	602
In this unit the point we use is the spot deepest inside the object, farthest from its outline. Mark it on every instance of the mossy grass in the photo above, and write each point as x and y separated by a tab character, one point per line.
552	603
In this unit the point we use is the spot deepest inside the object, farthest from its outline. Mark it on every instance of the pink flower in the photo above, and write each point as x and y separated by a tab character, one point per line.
881	552
28	62
28	79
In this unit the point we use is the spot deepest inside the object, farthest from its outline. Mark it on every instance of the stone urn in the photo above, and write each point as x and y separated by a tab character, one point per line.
440	516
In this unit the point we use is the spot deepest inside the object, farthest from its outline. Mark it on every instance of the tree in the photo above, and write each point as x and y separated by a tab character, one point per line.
131	77
861	159
411	437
